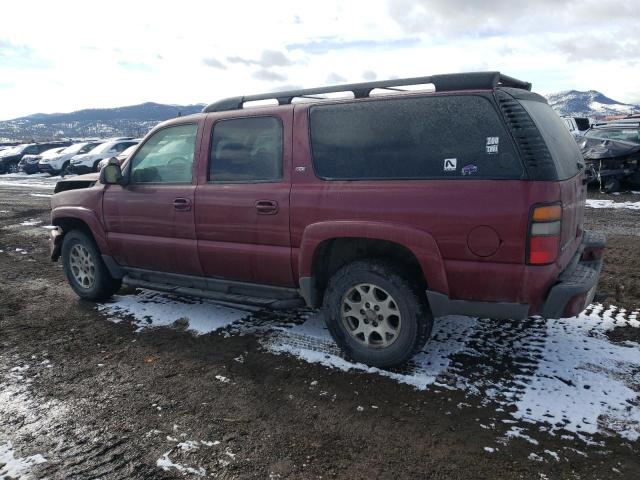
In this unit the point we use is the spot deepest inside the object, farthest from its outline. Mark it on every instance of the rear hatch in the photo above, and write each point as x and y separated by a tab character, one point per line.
569	165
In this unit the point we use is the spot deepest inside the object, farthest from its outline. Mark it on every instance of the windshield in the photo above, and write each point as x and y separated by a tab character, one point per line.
103	147
14	150
73	148
626	134
52	152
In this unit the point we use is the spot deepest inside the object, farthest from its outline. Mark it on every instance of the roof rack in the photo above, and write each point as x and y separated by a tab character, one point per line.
444	82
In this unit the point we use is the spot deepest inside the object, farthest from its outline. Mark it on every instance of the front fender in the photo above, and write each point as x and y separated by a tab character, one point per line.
419	242
62	216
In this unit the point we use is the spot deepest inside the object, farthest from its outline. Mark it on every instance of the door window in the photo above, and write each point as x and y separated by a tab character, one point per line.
246	150
167	157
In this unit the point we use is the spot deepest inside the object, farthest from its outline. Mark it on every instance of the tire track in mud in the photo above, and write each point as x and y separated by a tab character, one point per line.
53	429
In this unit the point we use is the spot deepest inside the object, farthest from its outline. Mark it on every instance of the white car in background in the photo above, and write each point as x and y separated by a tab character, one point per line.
88	162
121	157
57	164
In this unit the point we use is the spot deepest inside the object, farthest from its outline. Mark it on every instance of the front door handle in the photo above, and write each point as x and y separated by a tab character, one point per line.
182	204
267	207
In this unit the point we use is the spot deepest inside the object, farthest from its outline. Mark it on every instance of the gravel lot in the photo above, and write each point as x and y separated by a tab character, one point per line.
153	386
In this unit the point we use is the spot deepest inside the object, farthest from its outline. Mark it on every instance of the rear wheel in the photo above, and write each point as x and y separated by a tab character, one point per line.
375	315
86	272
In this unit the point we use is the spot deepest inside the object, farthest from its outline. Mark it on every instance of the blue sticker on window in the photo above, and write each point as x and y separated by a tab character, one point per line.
469	170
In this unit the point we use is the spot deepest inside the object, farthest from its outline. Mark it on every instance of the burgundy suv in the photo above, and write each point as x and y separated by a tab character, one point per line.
383	210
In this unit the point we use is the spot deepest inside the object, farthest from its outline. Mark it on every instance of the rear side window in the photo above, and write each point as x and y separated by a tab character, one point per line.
246	150
427	137
560	143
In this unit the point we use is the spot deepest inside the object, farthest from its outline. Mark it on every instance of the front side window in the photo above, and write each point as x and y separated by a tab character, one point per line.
246	150
167	157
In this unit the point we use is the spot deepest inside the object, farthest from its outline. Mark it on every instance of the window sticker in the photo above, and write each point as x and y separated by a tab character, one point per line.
492	145
469	169
450	164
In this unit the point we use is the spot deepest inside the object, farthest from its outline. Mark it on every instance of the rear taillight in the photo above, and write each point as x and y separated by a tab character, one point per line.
544	234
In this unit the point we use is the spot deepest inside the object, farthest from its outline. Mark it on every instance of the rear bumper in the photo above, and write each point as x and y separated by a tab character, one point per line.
576	286
572	292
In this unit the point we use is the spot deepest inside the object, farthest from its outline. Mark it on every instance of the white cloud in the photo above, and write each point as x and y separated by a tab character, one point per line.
66	57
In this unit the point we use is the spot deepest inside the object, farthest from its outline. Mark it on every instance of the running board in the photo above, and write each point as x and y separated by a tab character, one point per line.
244	302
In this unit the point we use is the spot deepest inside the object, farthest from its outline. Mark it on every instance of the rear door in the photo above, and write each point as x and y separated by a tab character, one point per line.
242	198
150	221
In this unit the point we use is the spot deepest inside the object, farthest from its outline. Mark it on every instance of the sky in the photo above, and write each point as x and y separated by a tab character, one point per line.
60	56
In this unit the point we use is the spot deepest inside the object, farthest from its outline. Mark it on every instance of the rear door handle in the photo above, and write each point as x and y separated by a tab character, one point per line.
267	207
182	204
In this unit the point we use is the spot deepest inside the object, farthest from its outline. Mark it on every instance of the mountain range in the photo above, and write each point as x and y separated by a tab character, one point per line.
588	104
134	121
137	120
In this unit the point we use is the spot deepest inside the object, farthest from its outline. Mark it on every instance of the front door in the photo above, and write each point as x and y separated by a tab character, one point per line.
150	221
242	199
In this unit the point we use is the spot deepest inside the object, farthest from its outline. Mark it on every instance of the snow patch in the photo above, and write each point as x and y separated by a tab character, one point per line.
562	375
611	204
152	309
12	467
166	464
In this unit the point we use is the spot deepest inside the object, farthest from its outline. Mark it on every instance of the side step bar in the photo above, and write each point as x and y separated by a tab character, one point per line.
243	302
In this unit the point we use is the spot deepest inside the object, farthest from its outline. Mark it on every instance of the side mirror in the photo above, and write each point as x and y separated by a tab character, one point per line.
111	174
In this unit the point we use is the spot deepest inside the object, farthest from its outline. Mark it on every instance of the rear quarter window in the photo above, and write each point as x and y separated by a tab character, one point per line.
560	143
453	136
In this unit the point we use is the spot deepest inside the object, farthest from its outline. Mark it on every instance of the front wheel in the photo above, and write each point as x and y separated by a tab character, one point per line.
375	315
13	168
86	272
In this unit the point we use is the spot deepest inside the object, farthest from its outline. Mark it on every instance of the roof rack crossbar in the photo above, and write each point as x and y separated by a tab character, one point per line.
442	83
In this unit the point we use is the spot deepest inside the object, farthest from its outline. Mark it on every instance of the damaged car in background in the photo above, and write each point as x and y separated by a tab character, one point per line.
612	155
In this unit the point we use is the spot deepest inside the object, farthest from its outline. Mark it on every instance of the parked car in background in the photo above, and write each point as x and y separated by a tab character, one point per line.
29	163
121	157
383	211
624	130
88	162
10	158
612	154
577	125
57	164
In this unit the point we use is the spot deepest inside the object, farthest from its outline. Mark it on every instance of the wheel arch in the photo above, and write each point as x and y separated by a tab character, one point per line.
77	218
327	246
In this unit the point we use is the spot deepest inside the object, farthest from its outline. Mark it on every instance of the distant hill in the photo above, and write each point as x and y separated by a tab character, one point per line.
137	120
134	120
588	104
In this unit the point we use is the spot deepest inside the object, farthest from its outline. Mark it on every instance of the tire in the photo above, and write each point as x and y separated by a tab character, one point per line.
86	272
612	185
63	170
13	168
406	328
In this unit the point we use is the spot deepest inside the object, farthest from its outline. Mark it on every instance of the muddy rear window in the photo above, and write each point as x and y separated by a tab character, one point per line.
453	136
561	145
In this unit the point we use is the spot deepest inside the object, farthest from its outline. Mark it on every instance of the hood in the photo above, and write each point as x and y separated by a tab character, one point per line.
599	149
76	181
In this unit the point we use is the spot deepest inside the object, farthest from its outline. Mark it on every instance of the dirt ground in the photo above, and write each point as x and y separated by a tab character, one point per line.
99	399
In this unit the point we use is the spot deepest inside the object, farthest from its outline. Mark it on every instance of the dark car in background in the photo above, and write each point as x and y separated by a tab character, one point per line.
612	154
29	163
10	158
